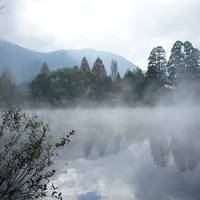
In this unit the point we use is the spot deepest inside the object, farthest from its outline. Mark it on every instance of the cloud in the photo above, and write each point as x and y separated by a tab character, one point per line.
128	27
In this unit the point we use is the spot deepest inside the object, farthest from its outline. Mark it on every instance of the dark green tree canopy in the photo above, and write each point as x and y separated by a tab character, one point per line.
44	68
114	70
98	70
85	65
128	75
65	84
100	82
183	64
157	65
176	66
162	77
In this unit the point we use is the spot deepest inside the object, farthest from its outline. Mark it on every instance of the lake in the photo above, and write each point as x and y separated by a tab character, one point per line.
128	153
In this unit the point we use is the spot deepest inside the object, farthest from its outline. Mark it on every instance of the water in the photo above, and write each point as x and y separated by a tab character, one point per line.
125	154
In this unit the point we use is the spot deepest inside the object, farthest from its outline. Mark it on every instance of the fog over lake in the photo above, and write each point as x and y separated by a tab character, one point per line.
128	153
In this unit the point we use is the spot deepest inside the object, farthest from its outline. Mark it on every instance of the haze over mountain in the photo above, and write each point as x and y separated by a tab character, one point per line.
24	64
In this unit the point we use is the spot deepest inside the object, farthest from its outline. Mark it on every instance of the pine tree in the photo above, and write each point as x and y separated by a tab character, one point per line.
192	61
176	67
100	82
44	68
98	70
40	86
128	75
198	64
183	65
7	88
157	65
119	77
114	70
155	77
137	72
133	85
85	65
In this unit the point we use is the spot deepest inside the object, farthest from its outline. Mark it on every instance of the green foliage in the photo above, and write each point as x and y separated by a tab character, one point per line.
98	70
156	75
68	83
65	84
85	65
26	157
40	87
128	75
133	85
7	89
192	57
100	83
181	71
184	65
157	65
176	67
114	71
44	68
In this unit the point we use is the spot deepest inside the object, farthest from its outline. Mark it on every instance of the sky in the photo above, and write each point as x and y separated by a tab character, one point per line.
130	28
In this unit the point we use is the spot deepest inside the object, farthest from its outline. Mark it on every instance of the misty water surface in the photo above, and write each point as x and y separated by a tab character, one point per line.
125	153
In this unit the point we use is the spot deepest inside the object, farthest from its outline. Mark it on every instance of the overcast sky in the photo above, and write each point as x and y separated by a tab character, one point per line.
126	27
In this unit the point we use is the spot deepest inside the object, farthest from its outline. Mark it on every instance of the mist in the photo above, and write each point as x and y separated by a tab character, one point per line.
126	82
128	153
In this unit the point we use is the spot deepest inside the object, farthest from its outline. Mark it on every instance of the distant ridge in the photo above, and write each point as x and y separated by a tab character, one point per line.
24	64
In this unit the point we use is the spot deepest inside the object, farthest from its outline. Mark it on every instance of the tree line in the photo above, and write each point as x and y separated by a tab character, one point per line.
81	84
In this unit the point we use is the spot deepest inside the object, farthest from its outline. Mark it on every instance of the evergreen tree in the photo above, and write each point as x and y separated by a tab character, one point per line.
198	64
114	70
85	65
60	86
100	82
133	85
157	65
119	77
176	67
44	68
183	65
40	86
98	70
128	75
191	61
155	77
7	88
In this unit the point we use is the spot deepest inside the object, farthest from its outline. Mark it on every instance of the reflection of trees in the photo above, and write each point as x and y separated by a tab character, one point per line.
87	147
186	156
159	150
116	143
101	143
184	150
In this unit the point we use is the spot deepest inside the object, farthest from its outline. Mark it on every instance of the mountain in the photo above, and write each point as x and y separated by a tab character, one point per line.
24	64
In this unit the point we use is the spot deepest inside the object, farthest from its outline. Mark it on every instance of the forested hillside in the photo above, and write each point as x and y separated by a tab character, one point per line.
177	77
